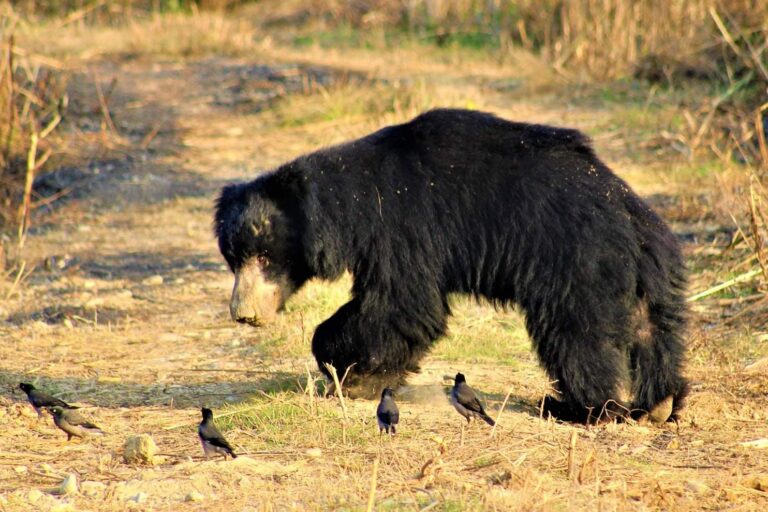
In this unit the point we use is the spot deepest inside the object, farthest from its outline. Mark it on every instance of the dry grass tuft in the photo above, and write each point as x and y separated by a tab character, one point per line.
32	103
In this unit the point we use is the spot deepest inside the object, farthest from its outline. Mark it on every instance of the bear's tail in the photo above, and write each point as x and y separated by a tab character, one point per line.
657	357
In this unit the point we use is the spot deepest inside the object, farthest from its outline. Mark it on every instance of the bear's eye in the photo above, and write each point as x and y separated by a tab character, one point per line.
262	260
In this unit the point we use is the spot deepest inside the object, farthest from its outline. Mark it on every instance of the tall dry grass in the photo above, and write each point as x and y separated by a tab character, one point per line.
32	101
722	43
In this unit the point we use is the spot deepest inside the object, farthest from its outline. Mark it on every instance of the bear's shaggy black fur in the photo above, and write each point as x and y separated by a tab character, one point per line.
458	201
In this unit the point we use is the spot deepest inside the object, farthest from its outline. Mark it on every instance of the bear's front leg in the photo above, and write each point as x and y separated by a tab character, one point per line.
367	347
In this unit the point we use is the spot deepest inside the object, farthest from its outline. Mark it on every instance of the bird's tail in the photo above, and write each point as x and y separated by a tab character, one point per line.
94	429
488	419
233	454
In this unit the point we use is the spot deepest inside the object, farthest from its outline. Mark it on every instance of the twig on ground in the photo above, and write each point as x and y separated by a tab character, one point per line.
572	455
498	416
337	385
374	477
103	105
738	279
16	281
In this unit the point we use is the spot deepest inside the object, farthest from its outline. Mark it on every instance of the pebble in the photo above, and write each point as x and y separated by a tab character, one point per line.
34	496
153	281
94	303
138	498
139	449
92	489
194	496
315	453
696	486
69	485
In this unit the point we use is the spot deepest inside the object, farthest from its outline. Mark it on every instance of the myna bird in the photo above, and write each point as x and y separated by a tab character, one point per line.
210	437
387	413
465	401
73	423
41	400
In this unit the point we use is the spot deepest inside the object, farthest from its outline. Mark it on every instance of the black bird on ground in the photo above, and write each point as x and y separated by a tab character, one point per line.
210	437
73	423
40	400
465	401
387	413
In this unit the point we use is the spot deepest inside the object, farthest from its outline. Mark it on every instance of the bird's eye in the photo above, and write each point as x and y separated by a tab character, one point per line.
262	260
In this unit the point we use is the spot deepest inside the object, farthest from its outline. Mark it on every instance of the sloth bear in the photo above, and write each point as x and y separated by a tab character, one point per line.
458	201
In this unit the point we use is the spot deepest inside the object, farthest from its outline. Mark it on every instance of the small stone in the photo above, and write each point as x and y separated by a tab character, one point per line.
94	303
20	469
39	326
88	284
139	449
26	411
34	496
69	485
153	281
92	489
194	496
124	294
696	486
315	453
138	498
68	323
759	483
63	507
170	337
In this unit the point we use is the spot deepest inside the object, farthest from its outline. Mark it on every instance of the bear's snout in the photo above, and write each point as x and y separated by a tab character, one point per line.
255	301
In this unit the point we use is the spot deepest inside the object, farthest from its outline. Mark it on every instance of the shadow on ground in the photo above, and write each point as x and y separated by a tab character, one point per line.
174	393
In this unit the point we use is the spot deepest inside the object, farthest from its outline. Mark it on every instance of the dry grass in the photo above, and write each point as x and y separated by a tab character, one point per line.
89	320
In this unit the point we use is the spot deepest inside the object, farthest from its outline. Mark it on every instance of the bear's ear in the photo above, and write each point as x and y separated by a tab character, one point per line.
289	188
288	185
230	194
229	206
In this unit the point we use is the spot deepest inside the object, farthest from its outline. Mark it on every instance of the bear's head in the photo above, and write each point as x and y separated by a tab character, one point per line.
259	229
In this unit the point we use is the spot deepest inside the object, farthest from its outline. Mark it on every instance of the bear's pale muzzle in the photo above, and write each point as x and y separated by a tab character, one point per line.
254	300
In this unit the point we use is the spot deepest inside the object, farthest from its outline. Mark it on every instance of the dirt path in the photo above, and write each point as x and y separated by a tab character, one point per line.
126	313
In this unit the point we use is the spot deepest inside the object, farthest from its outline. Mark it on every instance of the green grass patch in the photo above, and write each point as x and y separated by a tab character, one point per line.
480	334
352	102
699	169
486	460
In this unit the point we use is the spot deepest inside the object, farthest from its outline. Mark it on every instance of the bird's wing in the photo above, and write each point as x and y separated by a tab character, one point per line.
40	399
75	418
466	397
211	434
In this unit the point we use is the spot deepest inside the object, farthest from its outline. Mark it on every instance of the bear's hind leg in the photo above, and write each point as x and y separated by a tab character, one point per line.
657	359
589	375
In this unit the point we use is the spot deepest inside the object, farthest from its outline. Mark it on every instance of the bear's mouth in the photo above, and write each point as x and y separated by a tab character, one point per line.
253	322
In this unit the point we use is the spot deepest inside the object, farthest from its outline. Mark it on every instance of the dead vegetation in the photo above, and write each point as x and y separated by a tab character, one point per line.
117	300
